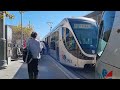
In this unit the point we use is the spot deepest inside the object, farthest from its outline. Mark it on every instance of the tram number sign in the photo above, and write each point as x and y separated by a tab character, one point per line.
78	26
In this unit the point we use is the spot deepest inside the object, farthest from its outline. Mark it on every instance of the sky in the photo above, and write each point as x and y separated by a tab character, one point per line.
39	19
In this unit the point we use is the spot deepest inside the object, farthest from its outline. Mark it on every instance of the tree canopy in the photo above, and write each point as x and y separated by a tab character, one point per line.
17	32
7	14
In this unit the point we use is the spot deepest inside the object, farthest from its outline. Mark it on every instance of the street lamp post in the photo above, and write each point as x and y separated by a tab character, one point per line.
50	25
21	12
22	31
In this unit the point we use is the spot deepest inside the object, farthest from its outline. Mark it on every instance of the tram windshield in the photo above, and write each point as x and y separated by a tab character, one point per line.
105	30
86	34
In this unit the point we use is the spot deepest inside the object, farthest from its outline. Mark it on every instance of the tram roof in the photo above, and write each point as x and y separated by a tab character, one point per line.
81	18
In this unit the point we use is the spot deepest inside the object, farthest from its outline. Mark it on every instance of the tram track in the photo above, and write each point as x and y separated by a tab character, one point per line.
85	73
88	72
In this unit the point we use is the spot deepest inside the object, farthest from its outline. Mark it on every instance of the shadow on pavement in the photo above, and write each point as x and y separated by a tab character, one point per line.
47	70
21	73
3	68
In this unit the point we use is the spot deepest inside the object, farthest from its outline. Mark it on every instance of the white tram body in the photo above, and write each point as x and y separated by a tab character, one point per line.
73	41
108	56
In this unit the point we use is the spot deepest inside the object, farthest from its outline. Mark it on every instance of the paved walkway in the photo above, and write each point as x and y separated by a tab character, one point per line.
47	70
10	70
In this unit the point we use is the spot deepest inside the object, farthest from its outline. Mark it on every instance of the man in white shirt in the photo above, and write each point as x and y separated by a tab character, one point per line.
34	46
43	47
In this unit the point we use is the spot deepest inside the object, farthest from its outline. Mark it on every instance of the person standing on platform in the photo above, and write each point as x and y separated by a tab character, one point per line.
34	46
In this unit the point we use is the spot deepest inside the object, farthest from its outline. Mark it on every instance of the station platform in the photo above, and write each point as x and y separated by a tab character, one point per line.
48	69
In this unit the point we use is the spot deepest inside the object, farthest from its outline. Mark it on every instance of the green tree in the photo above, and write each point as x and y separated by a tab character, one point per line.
7	14
17	32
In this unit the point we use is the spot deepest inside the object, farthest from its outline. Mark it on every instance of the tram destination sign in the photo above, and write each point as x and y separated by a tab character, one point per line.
78	26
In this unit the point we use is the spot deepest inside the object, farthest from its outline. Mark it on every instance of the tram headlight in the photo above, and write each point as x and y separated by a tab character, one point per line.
93	51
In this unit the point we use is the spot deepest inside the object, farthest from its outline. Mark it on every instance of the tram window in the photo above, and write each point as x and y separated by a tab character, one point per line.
67	32
48	41
71	45
56	36
54	40
52	45
105	30
69	41
108	23
86	33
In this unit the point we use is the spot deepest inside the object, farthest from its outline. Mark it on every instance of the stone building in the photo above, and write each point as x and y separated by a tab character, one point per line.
95	15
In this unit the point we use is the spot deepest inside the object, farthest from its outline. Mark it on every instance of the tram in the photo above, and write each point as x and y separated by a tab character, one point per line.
73	41
108	53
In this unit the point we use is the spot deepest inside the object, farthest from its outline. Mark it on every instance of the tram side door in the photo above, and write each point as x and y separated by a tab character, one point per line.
57	44
65	44
61	43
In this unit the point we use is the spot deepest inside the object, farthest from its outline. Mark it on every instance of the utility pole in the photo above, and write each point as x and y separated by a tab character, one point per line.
3	60
21	12
50	25
29	24
22	31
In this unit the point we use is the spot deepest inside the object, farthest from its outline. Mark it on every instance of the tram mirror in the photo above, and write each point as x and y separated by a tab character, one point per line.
118	31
